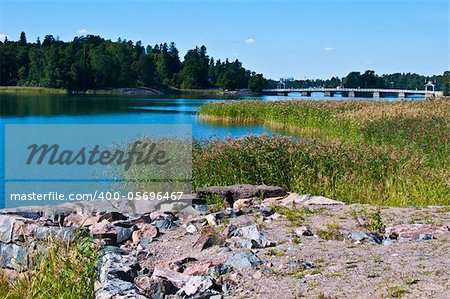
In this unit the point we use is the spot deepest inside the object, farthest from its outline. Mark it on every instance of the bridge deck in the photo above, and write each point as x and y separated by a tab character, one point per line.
336	90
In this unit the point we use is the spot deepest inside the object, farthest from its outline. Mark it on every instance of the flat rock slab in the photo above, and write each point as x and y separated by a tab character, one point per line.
296	200
415	232
236	192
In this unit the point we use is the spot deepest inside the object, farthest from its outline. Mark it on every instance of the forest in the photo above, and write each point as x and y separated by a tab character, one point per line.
92	62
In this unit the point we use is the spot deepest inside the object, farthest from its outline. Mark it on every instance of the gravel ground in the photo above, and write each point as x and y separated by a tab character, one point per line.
313	267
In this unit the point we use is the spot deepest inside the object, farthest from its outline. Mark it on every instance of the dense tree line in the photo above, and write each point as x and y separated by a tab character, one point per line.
369	79
91	62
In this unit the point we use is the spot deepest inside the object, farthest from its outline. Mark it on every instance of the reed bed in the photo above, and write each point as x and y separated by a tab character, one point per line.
31	90
378	152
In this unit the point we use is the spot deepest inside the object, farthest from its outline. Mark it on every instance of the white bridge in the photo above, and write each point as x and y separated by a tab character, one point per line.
355	92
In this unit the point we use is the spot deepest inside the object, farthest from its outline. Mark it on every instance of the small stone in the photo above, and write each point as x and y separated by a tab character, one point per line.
176	278
147	231
258	238
229	230
257	275
179	264
387	242
303	231
243	260
211	219
166	222
113	216
209	240
198	269
191	229
197	287
156	288
244	203
361	236
188	212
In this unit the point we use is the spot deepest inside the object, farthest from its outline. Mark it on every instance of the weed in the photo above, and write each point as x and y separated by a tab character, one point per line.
331	232
397	291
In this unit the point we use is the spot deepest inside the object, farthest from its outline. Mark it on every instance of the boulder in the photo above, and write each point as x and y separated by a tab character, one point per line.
155	288
6	228
243	203
113	216
209	240
191	229
146	231
12	256
243	260
198	287
303	231
112	233
166	222
368	237
197	269
259	239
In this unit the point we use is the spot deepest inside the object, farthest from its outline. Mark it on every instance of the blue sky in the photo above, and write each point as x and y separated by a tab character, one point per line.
300	39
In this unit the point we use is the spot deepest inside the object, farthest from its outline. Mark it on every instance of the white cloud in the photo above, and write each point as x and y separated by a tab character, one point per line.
3	37
250	41
328	49
83	31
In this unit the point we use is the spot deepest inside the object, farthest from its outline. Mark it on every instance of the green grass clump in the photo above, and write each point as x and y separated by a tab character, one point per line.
330	232
59	270
397	291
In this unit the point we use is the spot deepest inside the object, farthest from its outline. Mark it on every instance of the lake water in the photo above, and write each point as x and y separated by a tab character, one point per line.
39	109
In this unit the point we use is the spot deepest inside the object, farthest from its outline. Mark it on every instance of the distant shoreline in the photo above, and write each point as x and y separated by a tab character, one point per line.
131	91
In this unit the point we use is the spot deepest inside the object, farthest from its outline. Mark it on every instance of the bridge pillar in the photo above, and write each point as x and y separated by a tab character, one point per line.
351	94
376	95
306	93
401	95
328	94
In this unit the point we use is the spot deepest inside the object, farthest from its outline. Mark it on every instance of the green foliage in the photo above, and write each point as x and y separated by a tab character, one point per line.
215	203
367	80
330	232
397	291
257	83
376	224
63	270
294	215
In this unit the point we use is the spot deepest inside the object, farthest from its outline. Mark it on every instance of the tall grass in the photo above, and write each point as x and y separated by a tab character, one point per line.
389	153
60	269
383	175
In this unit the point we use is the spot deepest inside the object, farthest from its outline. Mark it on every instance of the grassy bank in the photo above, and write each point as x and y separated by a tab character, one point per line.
62	270
390	153
31	90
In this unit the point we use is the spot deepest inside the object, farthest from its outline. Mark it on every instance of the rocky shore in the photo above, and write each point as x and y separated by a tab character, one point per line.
251	242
